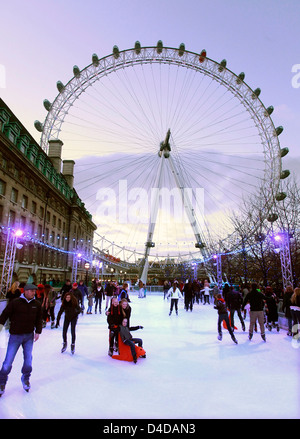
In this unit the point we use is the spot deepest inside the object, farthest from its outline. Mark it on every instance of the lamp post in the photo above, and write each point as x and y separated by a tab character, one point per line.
9	258
87	266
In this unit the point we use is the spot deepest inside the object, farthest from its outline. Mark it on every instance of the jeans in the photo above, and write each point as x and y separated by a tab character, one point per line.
65	329
232	311
174	302
131	344
14	342
220	320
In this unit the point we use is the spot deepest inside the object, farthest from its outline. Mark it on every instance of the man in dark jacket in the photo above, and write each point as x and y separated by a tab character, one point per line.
257	303
25	315
234	303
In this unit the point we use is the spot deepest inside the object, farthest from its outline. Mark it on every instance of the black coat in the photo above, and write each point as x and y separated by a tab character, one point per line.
234	300
71	311
256	300
114	317
25	316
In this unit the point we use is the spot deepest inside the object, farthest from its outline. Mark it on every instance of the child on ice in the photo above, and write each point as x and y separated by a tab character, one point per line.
127	338
220	305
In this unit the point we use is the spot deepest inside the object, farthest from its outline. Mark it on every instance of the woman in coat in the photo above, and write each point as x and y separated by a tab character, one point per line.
71	309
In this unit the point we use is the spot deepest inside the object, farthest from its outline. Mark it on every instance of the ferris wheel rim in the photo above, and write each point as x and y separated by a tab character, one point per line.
73	89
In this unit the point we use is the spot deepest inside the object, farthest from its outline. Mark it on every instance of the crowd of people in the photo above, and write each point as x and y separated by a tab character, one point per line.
30	307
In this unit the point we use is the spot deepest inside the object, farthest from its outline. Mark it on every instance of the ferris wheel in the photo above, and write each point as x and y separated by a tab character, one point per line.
167	144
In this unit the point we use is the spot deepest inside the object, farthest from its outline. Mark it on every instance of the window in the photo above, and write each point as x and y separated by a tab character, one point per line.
24	202
41	212
33	207
54	221
2	187
23	222
11	218
32	227
48	216
14	195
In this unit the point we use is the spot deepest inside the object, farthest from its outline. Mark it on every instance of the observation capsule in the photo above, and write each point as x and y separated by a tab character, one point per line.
284	174
269	111
137	47
159	46
278	130
272	217
256	93
116	52
181	49
222	65
38	125
76	71
240	78
284	152
47	104
60	86
280	196
95	59
202	56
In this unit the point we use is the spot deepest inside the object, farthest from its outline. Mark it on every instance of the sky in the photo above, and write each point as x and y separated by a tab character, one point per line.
41	41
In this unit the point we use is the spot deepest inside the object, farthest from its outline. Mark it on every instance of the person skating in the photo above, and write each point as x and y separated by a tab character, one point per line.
25	315
257	303
220	306
71	309
114	320
271	309
188	292
175	295
99	295
234	303
127	338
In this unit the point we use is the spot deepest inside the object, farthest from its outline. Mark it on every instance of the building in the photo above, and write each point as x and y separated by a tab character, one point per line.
37	196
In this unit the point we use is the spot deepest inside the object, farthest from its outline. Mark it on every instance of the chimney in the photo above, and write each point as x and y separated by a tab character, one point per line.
54	154
68	171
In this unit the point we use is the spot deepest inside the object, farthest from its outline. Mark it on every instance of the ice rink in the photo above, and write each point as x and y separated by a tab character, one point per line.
188	373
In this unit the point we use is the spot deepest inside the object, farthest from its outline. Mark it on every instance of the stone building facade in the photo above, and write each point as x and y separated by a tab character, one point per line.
37	196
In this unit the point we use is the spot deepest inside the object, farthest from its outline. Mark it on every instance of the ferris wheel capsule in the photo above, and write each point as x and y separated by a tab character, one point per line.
116	52
272	217
284	174
76	71
39	126
137	47
95	60
284	152
159	46
202	56
269	111
280	196
222	66
278	130
60	86
240	78
256	93
181	49
47	104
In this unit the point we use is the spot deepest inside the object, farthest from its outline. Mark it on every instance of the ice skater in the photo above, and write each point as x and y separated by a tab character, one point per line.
71	309
114	319
220	306
127	338
175	295
25	315
257	303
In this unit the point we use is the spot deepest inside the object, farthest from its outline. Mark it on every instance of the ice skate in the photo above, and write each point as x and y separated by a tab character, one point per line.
25	384
250	336
220	336
64	347
234	339
73	348
263	337
110	352
2	389
52	325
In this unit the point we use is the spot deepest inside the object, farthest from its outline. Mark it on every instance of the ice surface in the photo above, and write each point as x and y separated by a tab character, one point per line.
188	373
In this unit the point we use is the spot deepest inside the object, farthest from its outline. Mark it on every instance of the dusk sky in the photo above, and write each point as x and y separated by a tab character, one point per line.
41	41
